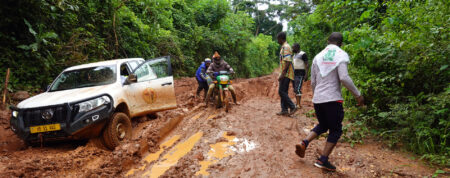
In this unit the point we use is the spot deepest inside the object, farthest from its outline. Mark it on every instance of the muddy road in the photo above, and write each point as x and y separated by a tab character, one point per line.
198	141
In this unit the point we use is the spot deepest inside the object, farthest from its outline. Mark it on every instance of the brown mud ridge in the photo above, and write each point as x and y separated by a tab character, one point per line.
197	141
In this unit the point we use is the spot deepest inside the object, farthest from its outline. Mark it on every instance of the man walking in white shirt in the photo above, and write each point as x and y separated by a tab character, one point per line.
328	71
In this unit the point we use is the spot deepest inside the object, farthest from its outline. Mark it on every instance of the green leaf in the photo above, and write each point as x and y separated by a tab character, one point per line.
51	35
25	47
383	114
34	46
365	15
443	67
30	28
27	23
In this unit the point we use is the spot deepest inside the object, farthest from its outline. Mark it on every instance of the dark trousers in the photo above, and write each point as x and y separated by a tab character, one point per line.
202	86
330	116
286	102
299	74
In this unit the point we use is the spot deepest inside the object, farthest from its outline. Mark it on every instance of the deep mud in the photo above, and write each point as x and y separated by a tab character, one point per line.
195	140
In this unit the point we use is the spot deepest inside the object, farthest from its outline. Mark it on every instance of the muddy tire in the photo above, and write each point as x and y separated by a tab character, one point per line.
28	143
219	99
226	102
117	130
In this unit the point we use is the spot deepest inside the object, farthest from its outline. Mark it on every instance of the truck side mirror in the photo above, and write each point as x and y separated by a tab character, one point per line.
132	78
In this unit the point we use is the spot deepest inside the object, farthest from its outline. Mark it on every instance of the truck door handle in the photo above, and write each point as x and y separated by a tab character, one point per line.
168	83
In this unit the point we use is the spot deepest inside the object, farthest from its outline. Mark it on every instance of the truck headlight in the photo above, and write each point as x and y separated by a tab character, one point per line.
92	104
15	114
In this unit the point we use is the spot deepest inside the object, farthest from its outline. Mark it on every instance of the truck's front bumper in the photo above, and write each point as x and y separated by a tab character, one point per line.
73	125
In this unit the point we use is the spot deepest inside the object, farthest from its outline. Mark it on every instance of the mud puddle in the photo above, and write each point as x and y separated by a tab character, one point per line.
251	141
197	141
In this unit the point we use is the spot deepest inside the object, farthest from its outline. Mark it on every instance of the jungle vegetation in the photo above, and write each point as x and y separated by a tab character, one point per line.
398	50
399	60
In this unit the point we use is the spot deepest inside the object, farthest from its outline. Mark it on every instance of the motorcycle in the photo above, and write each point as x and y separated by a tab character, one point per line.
221	92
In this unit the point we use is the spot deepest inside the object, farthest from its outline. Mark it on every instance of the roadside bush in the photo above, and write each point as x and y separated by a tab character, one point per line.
38	39
260	55
399	60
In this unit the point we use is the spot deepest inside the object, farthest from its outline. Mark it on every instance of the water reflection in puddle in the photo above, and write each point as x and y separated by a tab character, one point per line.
224	149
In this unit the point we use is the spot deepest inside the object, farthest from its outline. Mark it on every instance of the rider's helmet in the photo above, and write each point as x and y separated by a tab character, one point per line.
216	58
207	60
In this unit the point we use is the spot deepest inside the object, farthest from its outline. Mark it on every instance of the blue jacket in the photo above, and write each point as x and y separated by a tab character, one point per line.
201	71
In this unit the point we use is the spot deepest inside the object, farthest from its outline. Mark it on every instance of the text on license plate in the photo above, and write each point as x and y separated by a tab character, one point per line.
45	128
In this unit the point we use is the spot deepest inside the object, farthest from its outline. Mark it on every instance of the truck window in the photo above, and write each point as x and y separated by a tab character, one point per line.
145	73
85	77
124	70
134	64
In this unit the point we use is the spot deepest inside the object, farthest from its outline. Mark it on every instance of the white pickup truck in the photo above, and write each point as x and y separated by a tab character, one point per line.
96	99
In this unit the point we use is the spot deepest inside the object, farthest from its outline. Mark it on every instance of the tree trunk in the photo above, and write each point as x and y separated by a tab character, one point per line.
6	88
116	44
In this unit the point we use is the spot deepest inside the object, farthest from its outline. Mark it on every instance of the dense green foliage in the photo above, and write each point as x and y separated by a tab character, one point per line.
399	49
399	59
40	38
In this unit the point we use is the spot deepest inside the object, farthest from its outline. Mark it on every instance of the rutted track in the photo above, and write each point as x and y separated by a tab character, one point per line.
193	140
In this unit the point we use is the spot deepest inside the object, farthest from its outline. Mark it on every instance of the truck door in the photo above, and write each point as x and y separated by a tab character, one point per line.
154	89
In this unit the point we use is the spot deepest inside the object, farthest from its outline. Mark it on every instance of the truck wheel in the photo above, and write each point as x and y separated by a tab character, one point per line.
117	130
28	143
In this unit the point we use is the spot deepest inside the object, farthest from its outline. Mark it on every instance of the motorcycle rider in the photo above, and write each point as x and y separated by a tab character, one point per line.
213	69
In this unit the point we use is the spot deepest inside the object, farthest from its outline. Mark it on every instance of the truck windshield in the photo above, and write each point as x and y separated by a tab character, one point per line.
86	77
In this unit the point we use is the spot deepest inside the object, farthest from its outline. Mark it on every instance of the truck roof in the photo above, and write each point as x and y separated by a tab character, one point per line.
102	63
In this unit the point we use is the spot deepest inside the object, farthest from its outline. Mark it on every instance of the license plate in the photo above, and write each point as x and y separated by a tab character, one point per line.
45	128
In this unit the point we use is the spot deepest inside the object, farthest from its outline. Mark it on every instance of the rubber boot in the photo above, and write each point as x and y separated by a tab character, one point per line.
298	98
233	94
210	91
234	98
197	94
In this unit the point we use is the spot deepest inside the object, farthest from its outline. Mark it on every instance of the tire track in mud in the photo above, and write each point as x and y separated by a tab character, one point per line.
218	141
252	142
271	140
175	152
